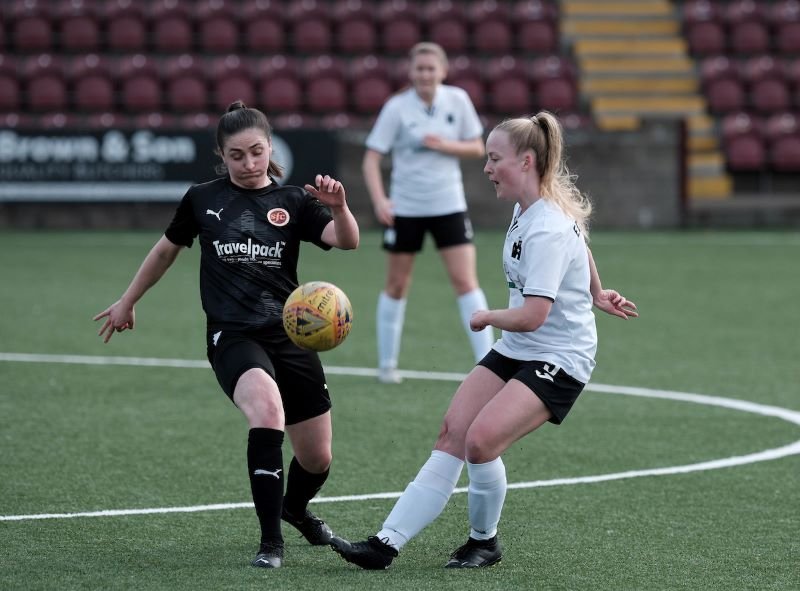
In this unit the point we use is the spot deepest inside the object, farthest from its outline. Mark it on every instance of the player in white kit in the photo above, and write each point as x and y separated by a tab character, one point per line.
427	129
537	369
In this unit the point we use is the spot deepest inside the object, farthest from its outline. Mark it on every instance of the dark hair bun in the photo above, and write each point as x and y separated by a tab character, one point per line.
235	106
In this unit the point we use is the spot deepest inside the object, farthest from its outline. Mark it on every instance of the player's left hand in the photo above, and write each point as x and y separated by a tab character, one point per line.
614	303
433	142
328	190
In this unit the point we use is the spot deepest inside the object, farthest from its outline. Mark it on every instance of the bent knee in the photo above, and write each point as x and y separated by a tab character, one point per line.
450	441
317	462
479	448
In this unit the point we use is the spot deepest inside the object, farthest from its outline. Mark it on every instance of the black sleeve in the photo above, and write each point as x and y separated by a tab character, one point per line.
183	228
316	216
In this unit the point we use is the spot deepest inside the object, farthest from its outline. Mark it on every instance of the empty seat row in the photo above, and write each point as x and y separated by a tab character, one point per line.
731	12
308	27
743	38
753	143
321	84
763	83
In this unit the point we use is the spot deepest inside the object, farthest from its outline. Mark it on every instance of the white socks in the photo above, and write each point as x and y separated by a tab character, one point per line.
485	497
483	340
423	500
389	321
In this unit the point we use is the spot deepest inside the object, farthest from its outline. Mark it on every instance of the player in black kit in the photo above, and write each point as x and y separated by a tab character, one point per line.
250	230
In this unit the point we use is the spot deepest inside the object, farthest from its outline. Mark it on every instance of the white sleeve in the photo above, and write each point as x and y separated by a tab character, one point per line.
471	126
547	258
383	135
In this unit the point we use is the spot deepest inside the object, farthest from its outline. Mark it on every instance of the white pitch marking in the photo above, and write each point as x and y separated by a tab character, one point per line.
741	405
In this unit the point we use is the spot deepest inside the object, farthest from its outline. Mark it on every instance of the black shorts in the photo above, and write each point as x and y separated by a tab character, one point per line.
408	234
557	389
297	372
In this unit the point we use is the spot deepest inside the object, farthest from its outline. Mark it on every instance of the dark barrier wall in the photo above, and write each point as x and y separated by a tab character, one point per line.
634	178
118	179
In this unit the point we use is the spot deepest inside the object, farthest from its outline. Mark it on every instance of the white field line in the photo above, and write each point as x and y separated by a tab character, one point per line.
730	403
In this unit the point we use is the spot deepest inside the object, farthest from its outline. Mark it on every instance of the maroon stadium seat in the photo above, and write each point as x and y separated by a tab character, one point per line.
400	27
32	31
557	95
783	138
491	26
761	67
787	38
16	120
126	26
79	28
749	38
131	71
312	36
263	26
451	34
718	67
745	153
326	95
770	95
475	88
217	26
706	38
184	84
503	67
227	89
492	37
370	93
725	95
10	85
509	96
537	36
356	36
339	121
171	27
92	84
45	84
399	36
280	94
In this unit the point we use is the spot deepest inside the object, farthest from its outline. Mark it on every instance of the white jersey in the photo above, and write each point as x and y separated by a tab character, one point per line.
545	255
425	182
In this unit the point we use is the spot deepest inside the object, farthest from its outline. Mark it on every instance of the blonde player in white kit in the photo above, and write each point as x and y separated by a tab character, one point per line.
427	129
537	369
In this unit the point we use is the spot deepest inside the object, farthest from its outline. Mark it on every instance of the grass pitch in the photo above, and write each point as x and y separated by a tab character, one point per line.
719	318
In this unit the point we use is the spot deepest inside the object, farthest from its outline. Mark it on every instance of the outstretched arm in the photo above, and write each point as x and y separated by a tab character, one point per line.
608	300
120	315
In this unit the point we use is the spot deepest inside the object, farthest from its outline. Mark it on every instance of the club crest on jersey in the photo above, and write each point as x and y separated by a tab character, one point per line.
278	216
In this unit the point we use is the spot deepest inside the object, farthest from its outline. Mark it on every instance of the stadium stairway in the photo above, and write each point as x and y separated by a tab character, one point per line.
634	63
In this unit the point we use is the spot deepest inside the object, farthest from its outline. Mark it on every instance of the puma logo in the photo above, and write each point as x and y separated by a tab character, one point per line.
274	473
215	213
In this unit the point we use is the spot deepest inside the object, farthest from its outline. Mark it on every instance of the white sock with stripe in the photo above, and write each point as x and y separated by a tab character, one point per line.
485	497
423	500
483	340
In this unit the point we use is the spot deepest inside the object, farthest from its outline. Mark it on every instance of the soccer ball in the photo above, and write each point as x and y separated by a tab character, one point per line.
317	316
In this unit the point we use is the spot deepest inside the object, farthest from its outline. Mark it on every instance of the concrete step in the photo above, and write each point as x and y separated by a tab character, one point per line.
645	66
702	142
646	29
703	164
638	86
678	105
619	9
675	47
710	187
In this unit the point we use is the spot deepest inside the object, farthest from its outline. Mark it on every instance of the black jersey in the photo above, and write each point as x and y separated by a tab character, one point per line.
250	245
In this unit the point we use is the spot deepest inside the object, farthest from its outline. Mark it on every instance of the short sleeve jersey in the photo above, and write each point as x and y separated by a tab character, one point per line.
249	247
425	182
545	255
